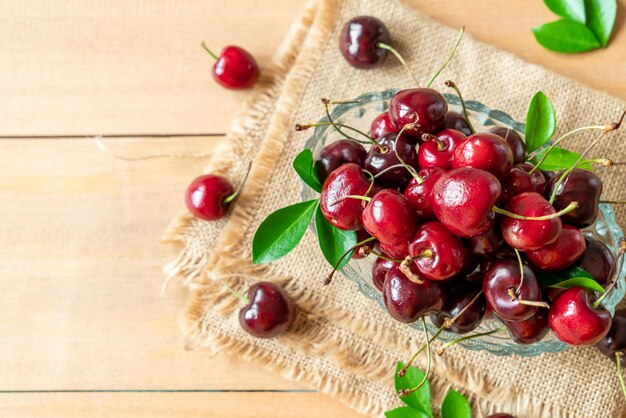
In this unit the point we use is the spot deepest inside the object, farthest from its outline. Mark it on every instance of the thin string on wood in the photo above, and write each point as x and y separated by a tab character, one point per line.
104	148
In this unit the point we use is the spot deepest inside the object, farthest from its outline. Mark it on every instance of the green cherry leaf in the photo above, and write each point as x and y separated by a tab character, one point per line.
568	278
455	406
570	9
333	241
566	36
560	159
281	231
585	282
303	164
600	18
405	412
419	399
540	121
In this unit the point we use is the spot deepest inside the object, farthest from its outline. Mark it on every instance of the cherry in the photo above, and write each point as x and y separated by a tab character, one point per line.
337	154
382	125
379	271
486	243
436	150
463	200
422	106
457	121
208	197
580	186
235	68
485	151
447	254
520	180
408	301
615	340
500	415
596	260
517	144
562	253
501	284
389	217
337	208
376	160
397	252
270	311
419	192
362	235
530	330
575	321
530	235
359	41
457	297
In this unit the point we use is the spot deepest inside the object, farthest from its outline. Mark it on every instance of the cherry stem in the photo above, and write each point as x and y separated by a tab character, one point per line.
430	137
300	127
326	102
368	250
521	272
351	196
538	303
206	48
405	268
237	294
443	349
329	278
621	249
395	52
452	85
372	180
614	202
407	392
238	191
562	212
408	168
456	45
620	375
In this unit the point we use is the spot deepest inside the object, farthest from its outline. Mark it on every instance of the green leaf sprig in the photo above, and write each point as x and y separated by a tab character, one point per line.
568	278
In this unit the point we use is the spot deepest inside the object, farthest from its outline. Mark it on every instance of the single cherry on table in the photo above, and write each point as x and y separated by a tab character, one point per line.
360	41
234	68
269	312
209	196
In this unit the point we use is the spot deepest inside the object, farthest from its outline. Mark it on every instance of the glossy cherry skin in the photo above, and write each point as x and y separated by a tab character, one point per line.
463	199
408	301
530	330
504	275
615	340
270	311
235	69
487	243
519	180
581	186
347	180
485	151
382	125
574	321
439	153
530	235
389	218
455	120
337	154
397	252
379	272
420	193
376	160
448	252
562	253
359	40
458	296
423	106
596	260
362	235
205	197
517	144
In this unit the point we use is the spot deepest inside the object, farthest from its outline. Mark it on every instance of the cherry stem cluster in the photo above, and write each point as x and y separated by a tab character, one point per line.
453	86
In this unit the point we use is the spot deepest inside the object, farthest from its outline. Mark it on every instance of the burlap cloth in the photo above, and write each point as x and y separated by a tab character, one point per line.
344	344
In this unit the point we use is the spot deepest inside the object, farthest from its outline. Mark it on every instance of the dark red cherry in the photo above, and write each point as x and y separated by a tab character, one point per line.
437	152
575	321
425	107
615	340
500	415
562	253
419	193
397	252
581	186
596	260
504	276
377	161
408	301
448	252
337	154
379	272
389	217
382	125
359	41
457	121
463	199
487	243
344	213
458	296
205	197
519	180
235	68
518	147
485	151
362	235
530	330
530	235
270	311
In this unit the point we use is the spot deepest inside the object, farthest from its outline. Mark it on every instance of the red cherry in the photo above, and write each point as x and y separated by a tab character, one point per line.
519	180
437	152
615	340
379	272
376	160
397	252
487	243
562	253
389	218
575	321
596	260
422	106
408	301
206	197
419	193
530	330
382	125
448	253
517	144
458	296
485	151
457	121
359	41
235	68
270	311
337	154
581	186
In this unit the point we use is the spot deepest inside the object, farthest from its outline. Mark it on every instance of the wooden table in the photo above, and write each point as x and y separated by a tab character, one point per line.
84	330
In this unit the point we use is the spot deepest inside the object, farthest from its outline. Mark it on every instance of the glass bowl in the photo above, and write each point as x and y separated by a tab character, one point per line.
360	115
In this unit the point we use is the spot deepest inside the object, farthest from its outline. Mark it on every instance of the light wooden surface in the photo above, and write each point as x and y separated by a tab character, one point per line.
80	260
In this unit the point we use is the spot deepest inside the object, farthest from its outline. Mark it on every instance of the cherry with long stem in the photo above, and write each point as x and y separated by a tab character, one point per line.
514	293
452	85
329	278
366	250
406	392
236	294
447	61
572	206
443	349
234	196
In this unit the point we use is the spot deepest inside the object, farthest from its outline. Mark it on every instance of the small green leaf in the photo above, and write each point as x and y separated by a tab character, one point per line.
560	159
405	412
419	399
281	231
568	278
580	282
571	9
455	406
600	18
540	121
566	36
303	164
333	241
